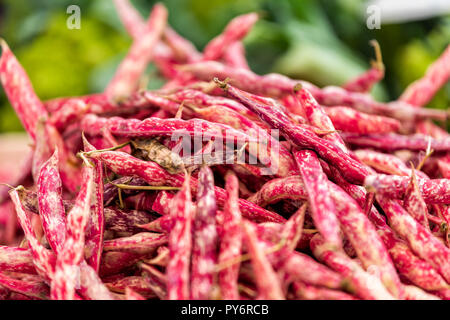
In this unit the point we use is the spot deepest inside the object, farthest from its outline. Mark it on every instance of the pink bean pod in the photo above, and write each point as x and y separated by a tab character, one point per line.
130	17
150	127
72	254
416	270
30	287
317	116
322	207
135	283
280	189
126	78
364	238
69	113
267	281
91	286
236	29
420	92
421	241
392	142
43	259
350	120
301	267
180	245
414	203
269	151
206	240
231	241
96	225
364	82
434	191
363	284
301	137
14	259
140	243
234	56
51	207
276	85
20	91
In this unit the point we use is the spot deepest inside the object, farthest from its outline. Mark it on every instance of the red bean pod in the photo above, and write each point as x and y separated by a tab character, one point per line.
363	284
236	29
267	281
231	241
392	142
51	207
205	244
421	241
364	238
140	243
420	92
350	120
16	259
20	91
352	169
365	82
126	78
180	245
434	191
234	55
322	207
414	203
43	259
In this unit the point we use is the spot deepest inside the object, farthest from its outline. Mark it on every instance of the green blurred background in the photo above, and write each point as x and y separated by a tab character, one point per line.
324	41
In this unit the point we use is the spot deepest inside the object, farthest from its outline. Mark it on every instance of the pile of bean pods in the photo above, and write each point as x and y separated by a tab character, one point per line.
350	200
